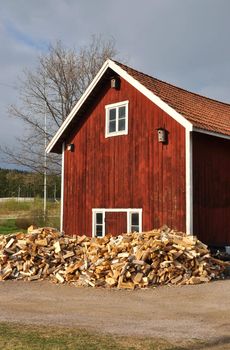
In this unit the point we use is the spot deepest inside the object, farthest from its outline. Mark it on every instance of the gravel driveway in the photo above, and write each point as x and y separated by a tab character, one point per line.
185	312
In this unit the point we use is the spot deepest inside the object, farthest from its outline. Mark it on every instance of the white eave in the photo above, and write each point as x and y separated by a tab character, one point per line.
135	83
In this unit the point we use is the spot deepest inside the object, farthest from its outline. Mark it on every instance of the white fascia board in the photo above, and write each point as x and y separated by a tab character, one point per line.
77	106
149	94
212	133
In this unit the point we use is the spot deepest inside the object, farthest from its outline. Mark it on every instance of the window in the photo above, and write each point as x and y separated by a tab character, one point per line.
116	119
100	225
134	222
99	222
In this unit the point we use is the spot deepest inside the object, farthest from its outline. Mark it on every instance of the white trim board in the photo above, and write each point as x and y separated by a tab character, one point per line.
62	186
151	96
189	182
77	107
128	211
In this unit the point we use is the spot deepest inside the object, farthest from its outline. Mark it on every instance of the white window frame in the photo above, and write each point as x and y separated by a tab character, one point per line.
128	212
99	211
130	220
116	106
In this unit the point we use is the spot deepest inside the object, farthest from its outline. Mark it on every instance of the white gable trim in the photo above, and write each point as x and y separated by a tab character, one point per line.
149	94
77	106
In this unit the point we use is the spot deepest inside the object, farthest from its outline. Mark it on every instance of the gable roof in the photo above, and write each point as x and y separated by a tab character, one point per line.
193	111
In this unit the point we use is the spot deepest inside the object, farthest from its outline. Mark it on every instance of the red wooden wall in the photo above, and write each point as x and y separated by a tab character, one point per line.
211	189
128	171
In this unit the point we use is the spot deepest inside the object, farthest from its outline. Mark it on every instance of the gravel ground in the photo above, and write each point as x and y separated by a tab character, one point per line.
173	313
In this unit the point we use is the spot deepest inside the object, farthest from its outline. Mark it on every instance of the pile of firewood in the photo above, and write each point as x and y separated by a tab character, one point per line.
127	261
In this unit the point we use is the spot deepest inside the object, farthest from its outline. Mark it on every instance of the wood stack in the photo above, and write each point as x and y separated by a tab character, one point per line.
128	261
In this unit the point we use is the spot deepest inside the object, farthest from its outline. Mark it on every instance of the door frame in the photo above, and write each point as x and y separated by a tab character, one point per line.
129	211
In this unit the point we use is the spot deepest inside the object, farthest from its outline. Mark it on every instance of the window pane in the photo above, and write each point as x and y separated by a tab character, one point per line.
99	218
135	228
112	126
112	114
99	230
135	219
121	113
121	124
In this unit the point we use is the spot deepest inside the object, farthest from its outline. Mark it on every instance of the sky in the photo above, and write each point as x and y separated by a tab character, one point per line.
184	42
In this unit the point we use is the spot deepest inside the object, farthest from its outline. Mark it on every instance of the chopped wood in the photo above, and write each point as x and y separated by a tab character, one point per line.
57	247
9	243
131	260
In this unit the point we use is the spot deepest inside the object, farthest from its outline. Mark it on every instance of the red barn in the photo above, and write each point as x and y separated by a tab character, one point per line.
138	153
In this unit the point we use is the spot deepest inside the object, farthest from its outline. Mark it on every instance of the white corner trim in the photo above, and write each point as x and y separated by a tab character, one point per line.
94	212
128	211
149	94
62	186
212	133
189	182
116	106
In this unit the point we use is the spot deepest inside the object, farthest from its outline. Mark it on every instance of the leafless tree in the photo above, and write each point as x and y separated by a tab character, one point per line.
50	92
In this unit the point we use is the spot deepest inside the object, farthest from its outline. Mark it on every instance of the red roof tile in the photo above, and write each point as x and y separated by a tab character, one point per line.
202	112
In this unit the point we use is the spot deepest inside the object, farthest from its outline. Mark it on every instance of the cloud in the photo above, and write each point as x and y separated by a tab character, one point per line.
23	38
182	42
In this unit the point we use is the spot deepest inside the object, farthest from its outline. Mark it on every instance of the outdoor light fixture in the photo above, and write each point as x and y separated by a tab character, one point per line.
115	83
70	147
162	135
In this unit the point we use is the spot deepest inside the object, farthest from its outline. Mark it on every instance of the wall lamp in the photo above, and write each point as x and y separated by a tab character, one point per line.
70	147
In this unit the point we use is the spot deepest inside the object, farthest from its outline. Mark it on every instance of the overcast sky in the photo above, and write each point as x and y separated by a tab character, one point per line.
185	42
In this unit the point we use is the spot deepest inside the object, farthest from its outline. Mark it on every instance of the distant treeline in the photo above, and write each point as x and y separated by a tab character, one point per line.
17	183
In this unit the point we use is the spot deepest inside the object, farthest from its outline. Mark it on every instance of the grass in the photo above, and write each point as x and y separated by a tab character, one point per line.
8	226
18	216
20	337
12	206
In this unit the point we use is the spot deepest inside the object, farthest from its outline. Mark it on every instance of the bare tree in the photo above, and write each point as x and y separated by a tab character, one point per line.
50	92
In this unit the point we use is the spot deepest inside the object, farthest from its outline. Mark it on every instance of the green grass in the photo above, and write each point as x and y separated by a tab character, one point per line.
20	337
13	206
20	215
8	226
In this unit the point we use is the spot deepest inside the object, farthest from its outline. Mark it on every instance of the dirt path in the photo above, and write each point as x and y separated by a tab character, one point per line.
201	312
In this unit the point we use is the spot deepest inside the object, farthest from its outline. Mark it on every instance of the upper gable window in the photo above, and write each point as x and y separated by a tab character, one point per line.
116	121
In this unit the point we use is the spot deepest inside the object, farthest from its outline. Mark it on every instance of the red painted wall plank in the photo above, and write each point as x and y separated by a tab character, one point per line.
128	171
211	188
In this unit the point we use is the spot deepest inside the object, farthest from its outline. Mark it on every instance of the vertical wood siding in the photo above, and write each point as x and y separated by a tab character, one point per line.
211	189
128	171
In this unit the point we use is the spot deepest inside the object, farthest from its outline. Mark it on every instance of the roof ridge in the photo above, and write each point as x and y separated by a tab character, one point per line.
174	86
